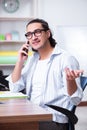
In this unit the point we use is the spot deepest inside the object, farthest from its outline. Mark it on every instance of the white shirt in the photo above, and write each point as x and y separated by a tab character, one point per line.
54	90
38	81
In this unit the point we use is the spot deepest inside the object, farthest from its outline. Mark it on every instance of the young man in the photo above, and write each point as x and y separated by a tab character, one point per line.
50	75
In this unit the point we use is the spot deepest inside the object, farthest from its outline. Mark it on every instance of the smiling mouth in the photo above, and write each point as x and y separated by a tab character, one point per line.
35	42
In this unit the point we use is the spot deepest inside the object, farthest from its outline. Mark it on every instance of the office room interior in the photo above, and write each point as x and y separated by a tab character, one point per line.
68	22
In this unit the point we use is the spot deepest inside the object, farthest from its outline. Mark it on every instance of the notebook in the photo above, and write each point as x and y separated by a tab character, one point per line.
8	94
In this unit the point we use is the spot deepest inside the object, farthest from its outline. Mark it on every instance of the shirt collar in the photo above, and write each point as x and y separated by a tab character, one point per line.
56	51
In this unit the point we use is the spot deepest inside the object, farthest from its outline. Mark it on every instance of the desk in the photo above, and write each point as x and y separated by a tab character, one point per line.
21	114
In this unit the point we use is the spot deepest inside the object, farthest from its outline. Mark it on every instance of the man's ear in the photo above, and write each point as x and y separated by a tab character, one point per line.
48	32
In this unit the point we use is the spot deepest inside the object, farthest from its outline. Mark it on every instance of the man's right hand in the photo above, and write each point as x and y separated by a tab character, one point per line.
23	53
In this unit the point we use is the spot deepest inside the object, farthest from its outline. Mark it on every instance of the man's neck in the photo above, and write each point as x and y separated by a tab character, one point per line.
45	53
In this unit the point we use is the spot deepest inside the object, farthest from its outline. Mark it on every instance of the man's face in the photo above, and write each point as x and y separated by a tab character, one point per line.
37	36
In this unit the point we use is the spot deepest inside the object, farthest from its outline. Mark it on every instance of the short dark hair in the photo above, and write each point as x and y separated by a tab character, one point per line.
46	27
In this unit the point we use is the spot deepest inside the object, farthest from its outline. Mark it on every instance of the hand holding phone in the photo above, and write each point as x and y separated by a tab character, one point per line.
26	50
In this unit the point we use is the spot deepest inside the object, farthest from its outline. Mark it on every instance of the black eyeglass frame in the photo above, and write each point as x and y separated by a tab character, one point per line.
36	33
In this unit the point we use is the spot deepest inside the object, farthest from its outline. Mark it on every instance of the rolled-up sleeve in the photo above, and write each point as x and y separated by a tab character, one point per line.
76	97
17	86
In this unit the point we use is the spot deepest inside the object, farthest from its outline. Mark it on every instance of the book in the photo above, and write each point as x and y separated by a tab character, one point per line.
9	57
9	94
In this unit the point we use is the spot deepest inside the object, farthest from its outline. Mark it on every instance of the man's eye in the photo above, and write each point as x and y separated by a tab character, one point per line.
28	34
38	31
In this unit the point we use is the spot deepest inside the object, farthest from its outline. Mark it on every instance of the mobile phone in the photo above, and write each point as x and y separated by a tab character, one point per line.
27	42
26	50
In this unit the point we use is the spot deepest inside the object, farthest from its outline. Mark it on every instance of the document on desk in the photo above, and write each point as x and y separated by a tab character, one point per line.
8	94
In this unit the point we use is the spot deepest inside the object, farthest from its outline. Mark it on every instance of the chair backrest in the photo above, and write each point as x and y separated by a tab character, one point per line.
4	86
83	80
71	114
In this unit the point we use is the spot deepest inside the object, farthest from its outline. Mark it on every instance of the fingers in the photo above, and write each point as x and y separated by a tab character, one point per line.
24	49
72	74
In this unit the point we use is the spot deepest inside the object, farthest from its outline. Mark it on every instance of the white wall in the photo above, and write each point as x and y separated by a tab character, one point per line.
63	12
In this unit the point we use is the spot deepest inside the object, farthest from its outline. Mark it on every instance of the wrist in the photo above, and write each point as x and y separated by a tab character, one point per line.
19	63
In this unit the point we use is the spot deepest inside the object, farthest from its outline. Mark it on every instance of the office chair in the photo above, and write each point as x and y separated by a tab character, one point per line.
71	114
4	86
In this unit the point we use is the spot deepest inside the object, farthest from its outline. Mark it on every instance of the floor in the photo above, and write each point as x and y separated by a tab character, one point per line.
81	113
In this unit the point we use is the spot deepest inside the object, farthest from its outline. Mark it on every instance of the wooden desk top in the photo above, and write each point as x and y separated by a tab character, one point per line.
22	110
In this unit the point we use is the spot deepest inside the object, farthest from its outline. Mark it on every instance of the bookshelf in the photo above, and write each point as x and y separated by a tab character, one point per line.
15	25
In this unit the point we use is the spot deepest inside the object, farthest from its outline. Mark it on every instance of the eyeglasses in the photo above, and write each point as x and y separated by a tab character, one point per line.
36	33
